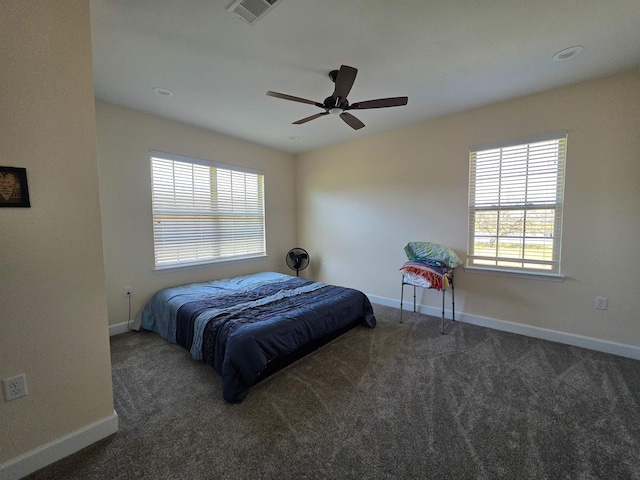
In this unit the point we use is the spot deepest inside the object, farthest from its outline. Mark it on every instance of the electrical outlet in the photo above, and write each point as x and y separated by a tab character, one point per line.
15	387
601	303
127	290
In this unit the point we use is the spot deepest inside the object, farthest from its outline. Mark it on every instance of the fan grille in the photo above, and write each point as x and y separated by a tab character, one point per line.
297	259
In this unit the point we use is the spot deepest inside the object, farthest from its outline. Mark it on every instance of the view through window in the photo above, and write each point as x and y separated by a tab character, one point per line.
516	193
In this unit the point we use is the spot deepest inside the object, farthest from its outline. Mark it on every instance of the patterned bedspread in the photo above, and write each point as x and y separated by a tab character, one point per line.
240	325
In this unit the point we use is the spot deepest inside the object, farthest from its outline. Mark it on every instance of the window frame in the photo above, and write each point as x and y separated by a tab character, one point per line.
207	217
492	263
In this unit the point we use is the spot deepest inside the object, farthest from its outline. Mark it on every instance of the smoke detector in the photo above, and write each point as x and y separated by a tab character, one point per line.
252	10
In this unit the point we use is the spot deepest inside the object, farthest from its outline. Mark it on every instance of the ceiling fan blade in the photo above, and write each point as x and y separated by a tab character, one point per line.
284	96
312	117
344	81
380	103
352	121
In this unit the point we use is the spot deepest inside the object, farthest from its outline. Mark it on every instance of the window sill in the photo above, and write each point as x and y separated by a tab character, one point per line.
549	277
177	268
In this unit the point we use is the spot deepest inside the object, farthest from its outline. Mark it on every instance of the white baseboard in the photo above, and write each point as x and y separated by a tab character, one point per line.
119	328
605	346
123	327
58	449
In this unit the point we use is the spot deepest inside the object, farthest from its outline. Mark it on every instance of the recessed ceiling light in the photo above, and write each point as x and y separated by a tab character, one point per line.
568	53
163	91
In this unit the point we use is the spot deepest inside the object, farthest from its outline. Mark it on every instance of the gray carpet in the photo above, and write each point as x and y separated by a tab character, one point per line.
397	402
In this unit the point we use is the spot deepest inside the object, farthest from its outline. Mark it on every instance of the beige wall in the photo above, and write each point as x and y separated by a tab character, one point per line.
52	297
360	202
124	139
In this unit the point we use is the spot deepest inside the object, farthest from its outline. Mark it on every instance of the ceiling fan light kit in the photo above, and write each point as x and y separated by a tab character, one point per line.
337	103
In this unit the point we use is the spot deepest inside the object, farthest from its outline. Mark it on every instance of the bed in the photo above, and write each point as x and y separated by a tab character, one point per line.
248	327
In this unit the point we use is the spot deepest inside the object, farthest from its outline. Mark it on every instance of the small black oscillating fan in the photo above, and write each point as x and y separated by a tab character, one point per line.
297	259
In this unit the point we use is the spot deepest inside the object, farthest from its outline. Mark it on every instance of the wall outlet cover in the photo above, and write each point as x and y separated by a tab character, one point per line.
15	387
601	303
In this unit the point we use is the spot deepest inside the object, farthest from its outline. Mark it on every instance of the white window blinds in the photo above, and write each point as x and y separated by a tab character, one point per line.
516	193
205	212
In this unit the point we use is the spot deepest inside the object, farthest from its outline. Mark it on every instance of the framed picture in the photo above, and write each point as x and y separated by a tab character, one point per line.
14	191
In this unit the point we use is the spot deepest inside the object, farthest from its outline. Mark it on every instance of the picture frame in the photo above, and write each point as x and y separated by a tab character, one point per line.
14	191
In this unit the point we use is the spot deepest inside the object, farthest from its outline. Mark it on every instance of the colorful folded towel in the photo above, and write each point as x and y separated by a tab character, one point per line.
436	277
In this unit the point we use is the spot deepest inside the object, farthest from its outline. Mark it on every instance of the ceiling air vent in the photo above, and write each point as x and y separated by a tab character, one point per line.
252	10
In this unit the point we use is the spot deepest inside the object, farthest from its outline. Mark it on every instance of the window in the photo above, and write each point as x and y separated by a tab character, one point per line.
516	191
205	212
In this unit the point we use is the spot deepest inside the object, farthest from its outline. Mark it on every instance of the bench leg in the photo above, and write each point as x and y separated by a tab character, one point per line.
401	300
414	299
442	324
453	302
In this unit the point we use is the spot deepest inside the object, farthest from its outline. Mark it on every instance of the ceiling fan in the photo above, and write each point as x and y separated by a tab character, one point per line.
337	103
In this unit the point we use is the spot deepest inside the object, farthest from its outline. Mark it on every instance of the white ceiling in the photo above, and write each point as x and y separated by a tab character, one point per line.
446	55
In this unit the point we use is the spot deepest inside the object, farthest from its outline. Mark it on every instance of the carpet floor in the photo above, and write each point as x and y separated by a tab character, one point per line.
400	401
